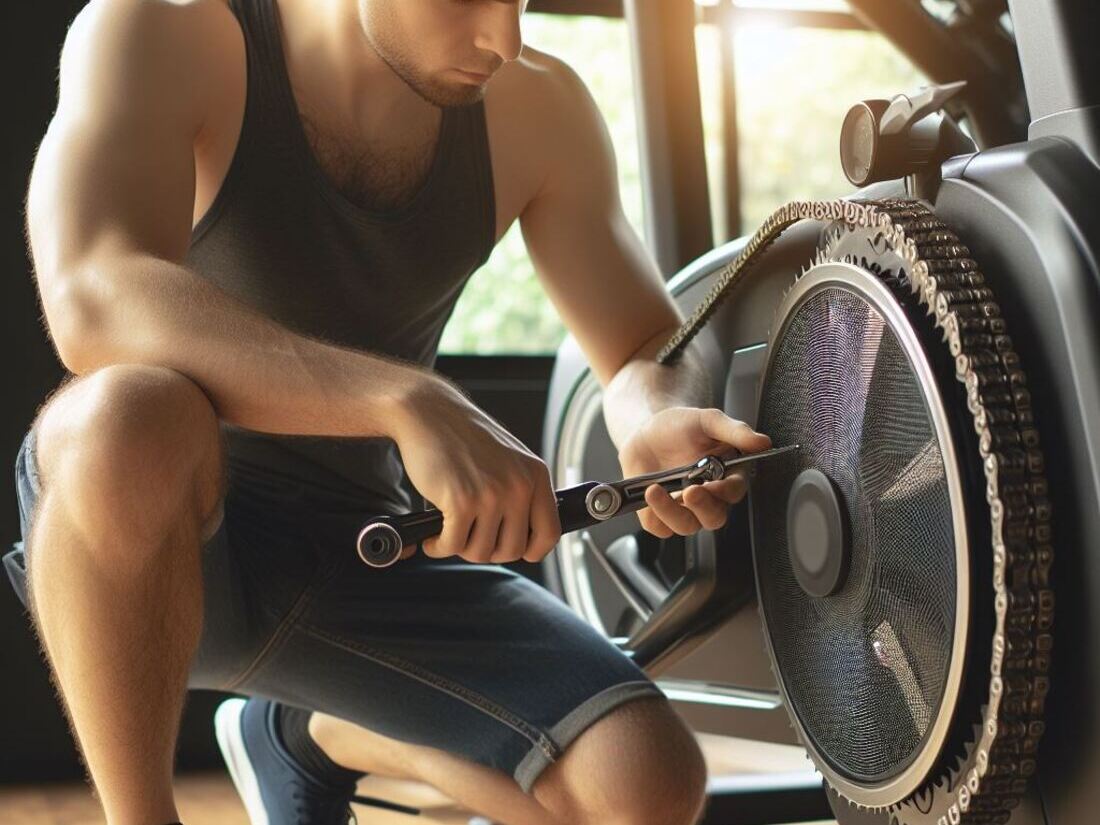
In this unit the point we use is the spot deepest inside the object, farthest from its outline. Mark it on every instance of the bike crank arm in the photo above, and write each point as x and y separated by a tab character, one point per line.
382	538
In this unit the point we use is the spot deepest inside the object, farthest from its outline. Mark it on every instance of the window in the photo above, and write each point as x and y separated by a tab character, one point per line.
503	307
793	85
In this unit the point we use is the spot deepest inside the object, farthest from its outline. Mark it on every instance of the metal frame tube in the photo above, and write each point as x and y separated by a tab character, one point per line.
670	120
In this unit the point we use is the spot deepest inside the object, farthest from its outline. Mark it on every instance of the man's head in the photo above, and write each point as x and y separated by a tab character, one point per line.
446	50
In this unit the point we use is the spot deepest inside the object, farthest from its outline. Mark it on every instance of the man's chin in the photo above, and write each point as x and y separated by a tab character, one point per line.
445	93
454	94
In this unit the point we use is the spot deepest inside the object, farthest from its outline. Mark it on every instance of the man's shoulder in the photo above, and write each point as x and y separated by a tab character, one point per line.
543	103
156	17
190	33
540	80
179	60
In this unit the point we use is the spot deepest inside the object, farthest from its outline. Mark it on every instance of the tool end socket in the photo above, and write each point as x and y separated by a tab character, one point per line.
379	545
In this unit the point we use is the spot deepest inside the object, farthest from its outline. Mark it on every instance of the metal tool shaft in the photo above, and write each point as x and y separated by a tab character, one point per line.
382	538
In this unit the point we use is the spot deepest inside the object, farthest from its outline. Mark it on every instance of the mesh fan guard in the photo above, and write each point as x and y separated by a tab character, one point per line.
871	673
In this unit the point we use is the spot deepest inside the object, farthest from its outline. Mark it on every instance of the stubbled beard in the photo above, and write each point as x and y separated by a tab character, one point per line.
438	94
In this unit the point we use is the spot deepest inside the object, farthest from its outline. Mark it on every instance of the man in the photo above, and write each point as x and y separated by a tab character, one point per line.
249	221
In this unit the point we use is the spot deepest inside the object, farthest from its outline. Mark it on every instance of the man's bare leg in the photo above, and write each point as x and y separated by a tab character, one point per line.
635	766
130	464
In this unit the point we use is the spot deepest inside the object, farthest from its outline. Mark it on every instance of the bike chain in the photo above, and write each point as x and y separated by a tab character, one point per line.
947	283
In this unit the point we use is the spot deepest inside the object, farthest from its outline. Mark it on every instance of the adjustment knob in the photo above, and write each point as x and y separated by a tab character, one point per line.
906	135
859	141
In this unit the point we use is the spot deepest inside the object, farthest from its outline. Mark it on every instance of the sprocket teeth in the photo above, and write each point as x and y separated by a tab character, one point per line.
773	326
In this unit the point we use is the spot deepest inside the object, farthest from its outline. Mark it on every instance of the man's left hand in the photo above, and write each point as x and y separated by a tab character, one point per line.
677	436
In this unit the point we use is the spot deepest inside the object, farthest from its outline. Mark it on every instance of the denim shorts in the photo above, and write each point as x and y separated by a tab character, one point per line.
474	659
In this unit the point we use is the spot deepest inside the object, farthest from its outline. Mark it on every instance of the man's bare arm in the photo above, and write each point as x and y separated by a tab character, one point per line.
594	267
109	219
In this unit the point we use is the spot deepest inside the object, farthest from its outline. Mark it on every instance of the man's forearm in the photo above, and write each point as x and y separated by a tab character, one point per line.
138	309
643	387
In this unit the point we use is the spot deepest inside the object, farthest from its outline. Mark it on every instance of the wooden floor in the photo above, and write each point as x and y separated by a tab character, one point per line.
210	799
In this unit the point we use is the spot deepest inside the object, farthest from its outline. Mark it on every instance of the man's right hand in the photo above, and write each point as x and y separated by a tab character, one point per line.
496	496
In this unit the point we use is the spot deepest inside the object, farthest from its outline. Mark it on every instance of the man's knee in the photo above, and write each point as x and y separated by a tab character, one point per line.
135	443
639	764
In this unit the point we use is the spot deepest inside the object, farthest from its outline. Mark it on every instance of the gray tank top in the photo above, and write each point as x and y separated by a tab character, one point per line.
282	238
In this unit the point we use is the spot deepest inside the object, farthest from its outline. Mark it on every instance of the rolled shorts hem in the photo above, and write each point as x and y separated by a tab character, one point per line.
576	722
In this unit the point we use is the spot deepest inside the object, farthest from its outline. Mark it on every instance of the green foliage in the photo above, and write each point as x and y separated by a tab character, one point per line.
503	307
794	87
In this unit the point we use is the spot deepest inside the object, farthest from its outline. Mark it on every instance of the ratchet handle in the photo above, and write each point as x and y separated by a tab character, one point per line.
382	538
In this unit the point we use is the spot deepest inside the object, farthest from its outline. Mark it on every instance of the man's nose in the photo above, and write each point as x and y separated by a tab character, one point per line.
499	31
